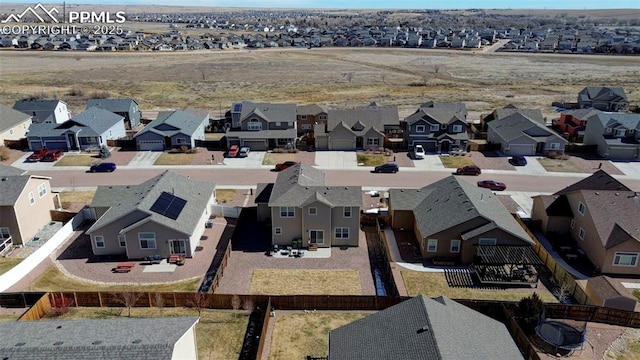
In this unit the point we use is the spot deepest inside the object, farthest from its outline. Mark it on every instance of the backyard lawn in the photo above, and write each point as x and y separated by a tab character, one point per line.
174	159
271	158
225	195
76	160
305	282
455	162
435	284
371	159
7	263
557	165
83	197
296	335
54	280
219	334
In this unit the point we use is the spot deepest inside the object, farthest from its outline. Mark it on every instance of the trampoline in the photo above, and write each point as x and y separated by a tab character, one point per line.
561	335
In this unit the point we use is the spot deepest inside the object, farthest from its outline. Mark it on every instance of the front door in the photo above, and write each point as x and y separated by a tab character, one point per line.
316	237
178	247
71	139
359	142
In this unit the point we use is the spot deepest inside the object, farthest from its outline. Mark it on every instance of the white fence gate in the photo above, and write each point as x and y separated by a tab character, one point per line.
226	211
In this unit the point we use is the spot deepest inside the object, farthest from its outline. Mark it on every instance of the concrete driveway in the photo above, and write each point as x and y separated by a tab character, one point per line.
253	161
144	158
430	162
628	168
337	160
533	167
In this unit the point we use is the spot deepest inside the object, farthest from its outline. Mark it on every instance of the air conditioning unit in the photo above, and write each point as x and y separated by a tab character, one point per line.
208	224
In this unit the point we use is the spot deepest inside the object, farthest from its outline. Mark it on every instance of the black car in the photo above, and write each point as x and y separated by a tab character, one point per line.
518	161
386	168
103	167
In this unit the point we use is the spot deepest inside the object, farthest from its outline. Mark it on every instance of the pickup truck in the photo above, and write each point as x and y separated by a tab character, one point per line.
38	155
52	155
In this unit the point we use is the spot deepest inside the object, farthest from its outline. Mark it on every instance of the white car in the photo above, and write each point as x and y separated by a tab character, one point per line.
418	152
244	152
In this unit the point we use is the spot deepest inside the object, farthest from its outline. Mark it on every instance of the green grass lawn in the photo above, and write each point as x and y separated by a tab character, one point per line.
556	165
219	334
174	159
371	159
7	264
455	162
435	284
77	160
54	280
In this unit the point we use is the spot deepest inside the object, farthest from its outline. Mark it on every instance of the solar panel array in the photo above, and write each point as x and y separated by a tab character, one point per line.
168	205
237	107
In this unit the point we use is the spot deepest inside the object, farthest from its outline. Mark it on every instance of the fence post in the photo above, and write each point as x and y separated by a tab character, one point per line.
100	299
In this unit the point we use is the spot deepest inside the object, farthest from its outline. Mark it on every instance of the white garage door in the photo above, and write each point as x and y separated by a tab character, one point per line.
520	149
150	145
342	145
256	145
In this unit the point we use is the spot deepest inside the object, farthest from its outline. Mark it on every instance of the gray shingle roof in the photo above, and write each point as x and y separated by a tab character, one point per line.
582	114
269	112
423	329
601	92
301	184
10	117
370	116
10	188
617	120
517	124
36	105
440	115
7	170
181	120
114	105
264	134
126	199
451	202
99	120
311	109
121	338
91	122
460	108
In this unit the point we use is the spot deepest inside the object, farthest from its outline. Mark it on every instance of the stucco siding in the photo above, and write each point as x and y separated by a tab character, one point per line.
186	348
316	222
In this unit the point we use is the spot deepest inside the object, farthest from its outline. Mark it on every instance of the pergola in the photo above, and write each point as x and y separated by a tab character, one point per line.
506	264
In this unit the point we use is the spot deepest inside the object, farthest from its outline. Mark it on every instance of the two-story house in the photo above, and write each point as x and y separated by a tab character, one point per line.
617	135
574	122
13	124
437	127
519	135
362	128
262	126
533	114
127	108
44	111
300	206
603	98
309	115
172	129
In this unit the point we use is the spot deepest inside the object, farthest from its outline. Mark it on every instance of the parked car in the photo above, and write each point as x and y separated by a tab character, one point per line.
418	152
386	168
284	165
468	170
52	155
492	184
38	155
103	167
518	161
244	152
233	151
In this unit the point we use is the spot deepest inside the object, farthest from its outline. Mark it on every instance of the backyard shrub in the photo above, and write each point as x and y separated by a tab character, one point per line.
104	152
528	311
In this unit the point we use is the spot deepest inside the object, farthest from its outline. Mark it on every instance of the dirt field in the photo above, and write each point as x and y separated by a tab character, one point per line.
340	78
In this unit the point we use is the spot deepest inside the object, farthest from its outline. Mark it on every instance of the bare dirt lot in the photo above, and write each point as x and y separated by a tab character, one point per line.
340	78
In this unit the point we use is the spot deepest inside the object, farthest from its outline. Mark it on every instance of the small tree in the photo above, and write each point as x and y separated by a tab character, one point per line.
104	152
528	311
128	299
60	305
198	301
4	153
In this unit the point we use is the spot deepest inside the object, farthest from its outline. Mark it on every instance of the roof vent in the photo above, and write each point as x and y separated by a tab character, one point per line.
418	190
20	344
58	343
422	329
59	327
136	341
597	193
617	194
97	342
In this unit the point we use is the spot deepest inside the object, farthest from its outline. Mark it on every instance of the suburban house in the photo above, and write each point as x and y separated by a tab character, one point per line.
44	111
166	338
603	98
617	135
609	292
127	108
533	114
362	128
451	217
262	126
88	130
574	122
423	328
517	134
300	206
26	202
13	124
601	215
309	115
173	129
438	127
163	216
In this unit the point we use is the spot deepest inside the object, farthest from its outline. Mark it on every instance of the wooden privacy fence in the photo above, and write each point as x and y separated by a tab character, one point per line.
37	310
220	271
265	328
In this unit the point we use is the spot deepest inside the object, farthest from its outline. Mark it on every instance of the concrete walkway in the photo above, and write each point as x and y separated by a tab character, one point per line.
395	255
547	245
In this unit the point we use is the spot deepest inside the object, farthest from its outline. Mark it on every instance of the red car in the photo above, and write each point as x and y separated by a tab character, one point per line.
52	155
468	170
284	165
38	155
492	184
233	151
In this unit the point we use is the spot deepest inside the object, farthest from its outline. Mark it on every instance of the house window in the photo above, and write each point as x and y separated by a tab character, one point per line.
487	242
31	198
455	246
277	231
322	117
582	208
581	234
625	259
435	127
306	126
181	141
432	245
316	236
342	233
347	212
290	124
303	117
457	128
554	146
313	211
4	233
122	240
42	190
99	240
373	141
420	128
573	223
254	125
147	240
278	123
621	132
287	211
